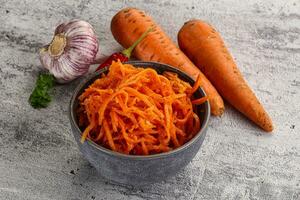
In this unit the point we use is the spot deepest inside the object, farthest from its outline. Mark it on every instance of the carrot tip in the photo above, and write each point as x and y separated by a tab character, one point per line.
219	112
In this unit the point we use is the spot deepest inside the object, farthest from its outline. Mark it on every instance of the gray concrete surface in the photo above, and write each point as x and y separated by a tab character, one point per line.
38	155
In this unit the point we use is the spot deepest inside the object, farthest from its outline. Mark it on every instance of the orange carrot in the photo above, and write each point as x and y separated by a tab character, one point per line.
127	26
205	47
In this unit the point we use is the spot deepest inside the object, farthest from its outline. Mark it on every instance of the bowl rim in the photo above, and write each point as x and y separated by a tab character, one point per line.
138	157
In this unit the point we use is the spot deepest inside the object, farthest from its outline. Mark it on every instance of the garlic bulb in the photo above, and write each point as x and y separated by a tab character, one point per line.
71	52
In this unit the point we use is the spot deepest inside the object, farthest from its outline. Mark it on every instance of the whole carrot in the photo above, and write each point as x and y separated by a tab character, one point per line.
205	47
128	24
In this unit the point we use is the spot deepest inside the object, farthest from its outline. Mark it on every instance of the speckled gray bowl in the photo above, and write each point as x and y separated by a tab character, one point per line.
139	170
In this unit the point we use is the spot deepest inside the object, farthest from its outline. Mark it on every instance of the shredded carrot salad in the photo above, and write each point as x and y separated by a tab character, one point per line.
138	111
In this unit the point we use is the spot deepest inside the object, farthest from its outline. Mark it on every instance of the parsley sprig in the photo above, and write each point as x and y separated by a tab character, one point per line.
40	97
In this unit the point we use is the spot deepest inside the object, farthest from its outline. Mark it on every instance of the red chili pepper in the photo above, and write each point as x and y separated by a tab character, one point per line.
124	55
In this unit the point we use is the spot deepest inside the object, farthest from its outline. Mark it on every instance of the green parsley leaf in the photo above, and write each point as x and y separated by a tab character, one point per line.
40	97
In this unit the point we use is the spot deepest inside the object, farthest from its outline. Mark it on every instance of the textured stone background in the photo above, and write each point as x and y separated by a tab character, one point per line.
38	155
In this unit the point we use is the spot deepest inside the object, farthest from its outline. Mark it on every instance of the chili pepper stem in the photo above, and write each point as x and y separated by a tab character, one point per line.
127	52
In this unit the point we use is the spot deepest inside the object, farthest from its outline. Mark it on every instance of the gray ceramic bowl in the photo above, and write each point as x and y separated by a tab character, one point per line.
139	170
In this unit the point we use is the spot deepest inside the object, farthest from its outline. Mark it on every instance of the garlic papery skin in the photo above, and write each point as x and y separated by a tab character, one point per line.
72	50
